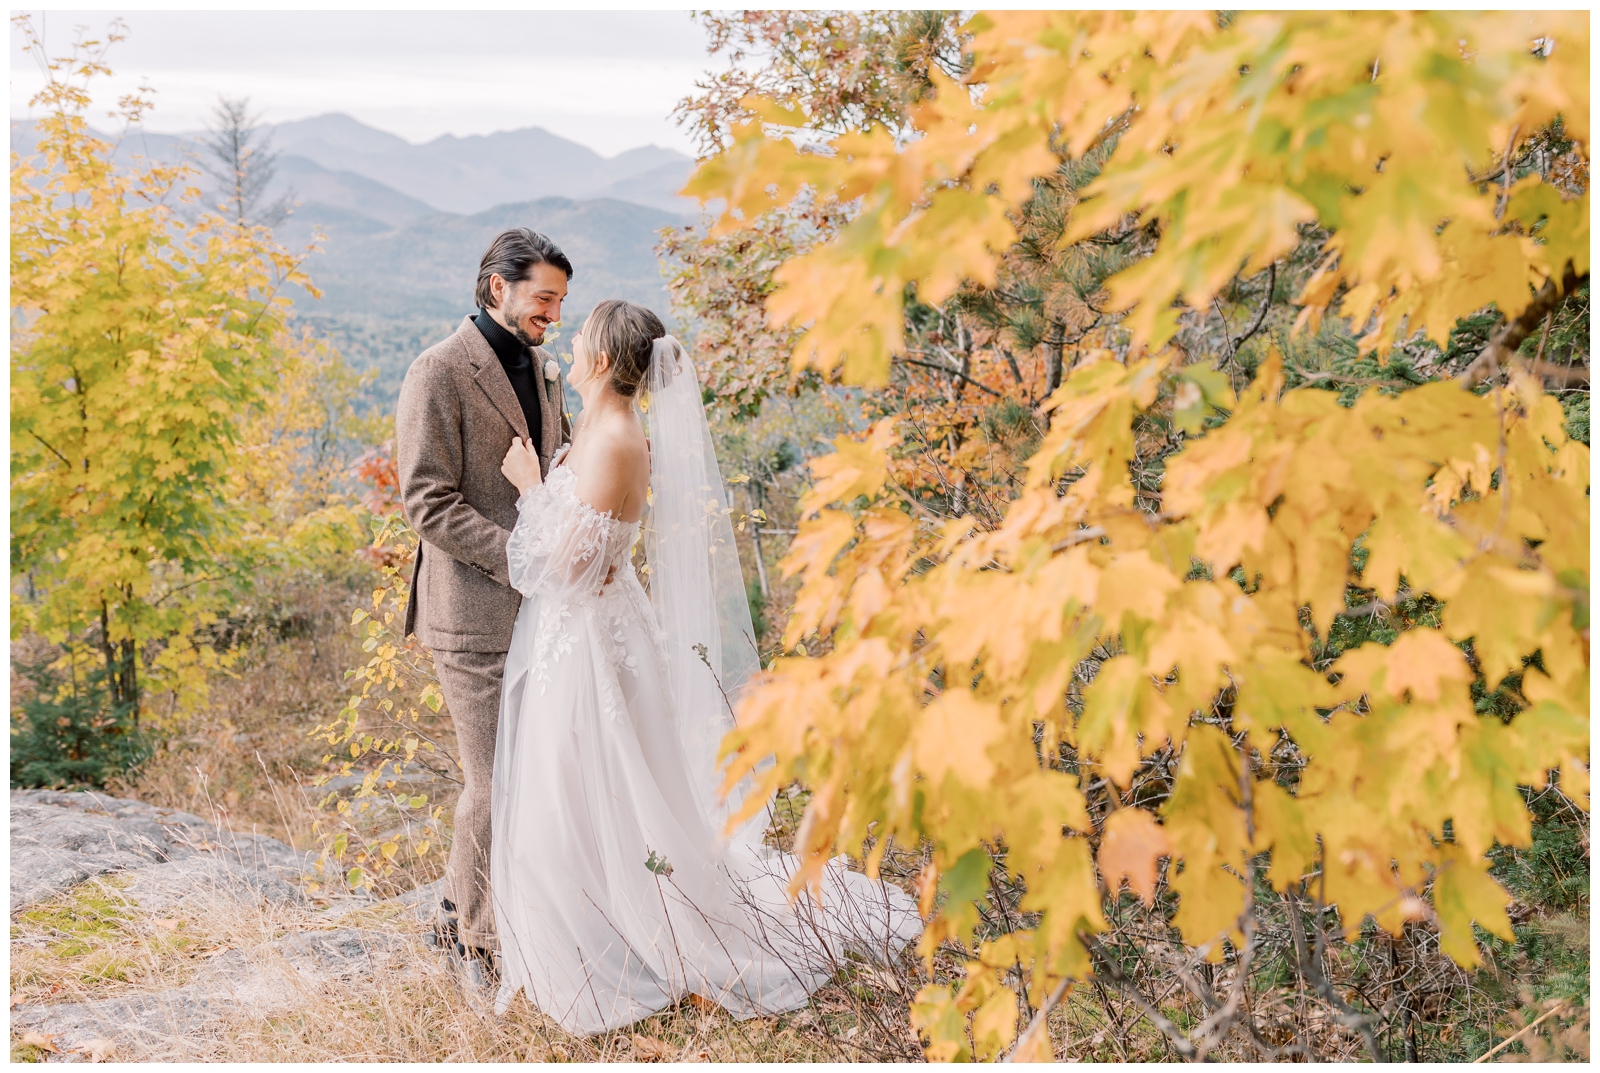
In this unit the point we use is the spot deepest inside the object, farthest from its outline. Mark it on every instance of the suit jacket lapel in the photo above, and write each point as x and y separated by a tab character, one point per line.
492	378
550	409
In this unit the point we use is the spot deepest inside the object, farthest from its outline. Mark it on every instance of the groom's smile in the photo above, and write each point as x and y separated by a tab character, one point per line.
528	307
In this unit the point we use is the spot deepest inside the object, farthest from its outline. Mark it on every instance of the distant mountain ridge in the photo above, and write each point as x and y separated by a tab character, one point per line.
477	172
449	173
388	293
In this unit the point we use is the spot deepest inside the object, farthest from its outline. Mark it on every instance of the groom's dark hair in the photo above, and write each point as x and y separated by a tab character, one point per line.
511	255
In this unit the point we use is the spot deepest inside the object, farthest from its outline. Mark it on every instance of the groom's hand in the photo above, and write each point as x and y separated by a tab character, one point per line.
521	465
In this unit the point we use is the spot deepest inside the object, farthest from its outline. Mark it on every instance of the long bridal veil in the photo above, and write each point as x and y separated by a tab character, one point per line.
695	583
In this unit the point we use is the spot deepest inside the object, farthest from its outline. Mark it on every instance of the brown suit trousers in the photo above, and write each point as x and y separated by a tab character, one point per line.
455	420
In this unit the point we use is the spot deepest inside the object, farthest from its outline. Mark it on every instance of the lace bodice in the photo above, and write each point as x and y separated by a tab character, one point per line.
562	548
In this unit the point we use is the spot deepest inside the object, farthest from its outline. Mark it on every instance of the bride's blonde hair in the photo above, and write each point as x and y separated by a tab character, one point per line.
624	331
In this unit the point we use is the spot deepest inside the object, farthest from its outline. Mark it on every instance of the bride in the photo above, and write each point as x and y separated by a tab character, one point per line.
616	888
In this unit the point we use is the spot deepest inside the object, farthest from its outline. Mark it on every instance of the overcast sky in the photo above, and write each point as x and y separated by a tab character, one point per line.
605	79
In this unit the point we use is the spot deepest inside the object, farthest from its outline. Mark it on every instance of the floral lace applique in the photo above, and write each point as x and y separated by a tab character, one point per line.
562	551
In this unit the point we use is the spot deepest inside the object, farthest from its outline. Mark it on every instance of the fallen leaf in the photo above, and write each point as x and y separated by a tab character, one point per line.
165	923
98	1050
700	1002
43	1041
879	978
650	1049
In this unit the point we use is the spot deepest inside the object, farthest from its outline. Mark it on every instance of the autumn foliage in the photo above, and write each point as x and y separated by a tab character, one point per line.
1112	680
169	431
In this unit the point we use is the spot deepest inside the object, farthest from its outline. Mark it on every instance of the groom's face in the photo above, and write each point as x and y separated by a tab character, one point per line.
527	308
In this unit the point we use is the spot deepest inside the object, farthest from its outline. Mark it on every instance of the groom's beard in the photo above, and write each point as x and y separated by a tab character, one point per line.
516	315
525	337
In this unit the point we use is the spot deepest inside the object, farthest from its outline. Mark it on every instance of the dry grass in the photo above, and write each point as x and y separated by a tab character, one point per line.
242	760
96	943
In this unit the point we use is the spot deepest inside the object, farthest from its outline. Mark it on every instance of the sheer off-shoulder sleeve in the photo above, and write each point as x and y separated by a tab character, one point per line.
560	546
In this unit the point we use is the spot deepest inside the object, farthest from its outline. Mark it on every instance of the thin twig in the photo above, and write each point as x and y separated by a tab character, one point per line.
1108	970
1037	1025
957	373
1310	964
1505	186
1502	347
1082	536
53	451
1509	1040
1261	317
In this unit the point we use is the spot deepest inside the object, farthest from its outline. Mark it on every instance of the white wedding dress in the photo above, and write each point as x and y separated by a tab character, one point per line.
616	892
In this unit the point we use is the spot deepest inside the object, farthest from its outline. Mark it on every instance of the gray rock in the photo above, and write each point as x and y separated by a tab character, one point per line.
344	955
422	904
413	909
197	880
60	839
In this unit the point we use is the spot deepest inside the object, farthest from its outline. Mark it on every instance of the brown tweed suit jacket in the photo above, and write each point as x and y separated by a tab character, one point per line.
453	426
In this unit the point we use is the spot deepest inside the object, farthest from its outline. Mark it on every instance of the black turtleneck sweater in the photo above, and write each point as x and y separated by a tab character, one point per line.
518	364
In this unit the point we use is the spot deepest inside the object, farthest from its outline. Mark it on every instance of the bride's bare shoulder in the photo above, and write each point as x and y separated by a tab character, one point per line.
620	443
615	468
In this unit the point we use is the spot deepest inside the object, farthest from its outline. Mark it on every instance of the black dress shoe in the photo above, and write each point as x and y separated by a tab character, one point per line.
475	968
446	933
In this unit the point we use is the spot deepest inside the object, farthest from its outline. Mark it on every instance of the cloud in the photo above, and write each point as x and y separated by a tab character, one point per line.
605	79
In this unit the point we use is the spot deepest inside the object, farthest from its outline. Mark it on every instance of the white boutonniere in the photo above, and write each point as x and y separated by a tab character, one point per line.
551	369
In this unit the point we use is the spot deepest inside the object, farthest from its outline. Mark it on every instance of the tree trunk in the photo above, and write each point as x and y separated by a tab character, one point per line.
761	567
122	670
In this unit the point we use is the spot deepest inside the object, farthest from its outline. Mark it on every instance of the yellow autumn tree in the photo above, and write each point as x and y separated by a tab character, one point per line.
162	413
1002	691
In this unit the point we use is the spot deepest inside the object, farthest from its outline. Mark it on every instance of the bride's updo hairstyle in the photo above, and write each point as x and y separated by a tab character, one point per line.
624	331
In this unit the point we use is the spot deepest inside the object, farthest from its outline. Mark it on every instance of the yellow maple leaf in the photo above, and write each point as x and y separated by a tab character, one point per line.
855	468
1464	894
1419	661
953	736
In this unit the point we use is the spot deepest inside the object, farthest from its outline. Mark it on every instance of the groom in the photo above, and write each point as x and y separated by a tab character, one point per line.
462	402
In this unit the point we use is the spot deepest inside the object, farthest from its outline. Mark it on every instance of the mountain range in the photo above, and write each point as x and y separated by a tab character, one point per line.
468	175
400	228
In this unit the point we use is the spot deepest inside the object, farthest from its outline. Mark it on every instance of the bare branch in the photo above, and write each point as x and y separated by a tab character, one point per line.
1037	1025
1310	964
1107	969
1501	350
1266	304
1509	1040
957	373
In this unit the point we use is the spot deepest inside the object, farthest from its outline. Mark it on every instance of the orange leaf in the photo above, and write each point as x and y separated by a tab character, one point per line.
1130	847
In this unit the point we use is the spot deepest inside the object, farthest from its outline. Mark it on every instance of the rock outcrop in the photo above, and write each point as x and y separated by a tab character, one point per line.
167	862
60	839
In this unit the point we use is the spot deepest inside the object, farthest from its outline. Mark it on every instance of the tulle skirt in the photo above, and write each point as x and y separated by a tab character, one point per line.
613	895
